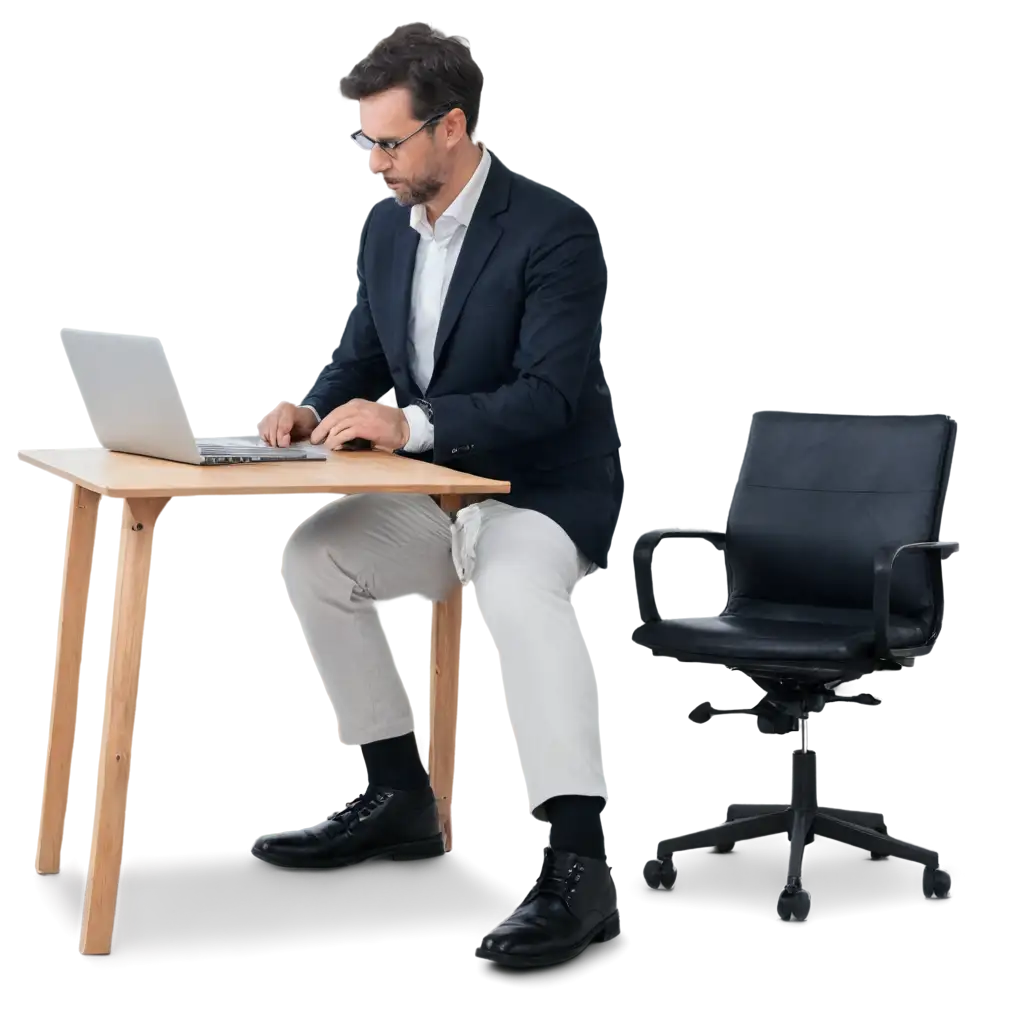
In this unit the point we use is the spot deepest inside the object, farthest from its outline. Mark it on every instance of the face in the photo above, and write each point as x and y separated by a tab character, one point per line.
417	170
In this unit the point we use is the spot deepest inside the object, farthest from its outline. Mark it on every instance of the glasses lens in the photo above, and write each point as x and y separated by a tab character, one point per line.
362	141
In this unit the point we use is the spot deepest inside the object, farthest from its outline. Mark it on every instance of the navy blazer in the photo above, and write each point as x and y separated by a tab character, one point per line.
517	392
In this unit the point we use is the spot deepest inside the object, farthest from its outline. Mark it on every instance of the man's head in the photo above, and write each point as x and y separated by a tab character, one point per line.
421	89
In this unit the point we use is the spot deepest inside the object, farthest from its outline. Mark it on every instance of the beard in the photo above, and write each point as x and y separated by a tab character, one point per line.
417	191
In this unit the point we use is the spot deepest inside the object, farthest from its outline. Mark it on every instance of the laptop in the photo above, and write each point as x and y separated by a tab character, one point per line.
135	407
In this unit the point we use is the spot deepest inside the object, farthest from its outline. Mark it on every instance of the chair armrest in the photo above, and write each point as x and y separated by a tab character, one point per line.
643	555
885	557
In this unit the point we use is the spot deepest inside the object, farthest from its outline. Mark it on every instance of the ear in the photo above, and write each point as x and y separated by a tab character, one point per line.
454	127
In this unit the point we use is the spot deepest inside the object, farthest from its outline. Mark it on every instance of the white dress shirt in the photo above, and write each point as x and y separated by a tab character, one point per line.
438	252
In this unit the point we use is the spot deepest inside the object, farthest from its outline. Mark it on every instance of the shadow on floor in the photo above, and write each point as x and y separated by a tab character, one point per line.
219	910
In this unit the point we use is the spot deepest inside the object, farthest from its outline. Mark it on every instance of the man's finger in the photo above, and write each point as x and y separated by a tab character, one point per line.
323	428
320	430
339	435
330	422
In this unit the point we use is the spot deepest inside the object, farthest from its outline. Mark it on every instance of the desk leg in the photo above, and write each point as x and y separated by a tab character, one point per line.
64	708
444	693
118	721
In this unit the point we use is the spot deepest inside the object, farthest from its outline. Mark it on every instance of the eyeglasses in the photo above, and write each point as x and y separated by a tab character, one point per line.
390	145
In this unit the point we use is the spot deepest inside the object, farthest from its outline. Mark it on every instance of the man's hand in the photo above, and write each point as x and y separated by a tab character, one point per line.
382	425
285	424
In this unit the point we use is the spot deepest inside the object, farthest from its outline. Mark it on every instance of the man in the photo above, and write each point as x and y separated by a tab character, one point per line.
479	301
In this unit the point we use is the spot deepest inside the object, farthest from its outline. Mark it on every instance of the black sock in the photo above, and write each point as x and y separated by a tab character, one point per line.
576	824
395	762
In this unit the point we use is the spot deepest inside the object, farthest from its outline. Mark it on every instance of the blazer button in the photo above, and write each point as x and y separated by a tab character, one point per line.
455	451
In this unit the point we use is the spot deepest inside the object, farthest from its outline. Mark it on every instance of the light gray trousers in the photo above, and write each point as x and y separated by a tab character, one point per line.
372	547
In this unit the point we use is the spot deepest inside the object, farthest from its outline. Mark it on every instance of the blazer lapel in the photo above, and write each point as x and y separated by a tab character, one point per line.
481	237
404	264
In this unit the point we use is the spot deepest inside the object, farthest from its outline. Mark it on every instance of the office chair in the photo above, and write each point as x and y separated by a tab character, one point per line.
833	565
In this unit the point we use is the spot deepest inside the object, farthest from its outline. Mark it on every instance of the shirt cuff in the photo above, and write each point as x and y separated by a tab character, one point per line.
421	430
312	410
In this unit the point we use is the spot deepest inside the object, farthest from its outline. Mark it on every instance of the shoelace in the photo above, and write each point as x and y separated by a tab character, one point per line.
561	886
361	808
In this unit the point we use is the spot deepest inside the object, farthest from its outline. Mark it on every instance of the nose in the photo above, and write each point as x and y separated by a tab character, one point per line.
379	161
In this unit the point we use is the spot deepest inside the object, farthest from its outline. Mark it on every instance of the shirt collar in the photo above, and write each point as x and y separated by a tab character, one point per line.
462	206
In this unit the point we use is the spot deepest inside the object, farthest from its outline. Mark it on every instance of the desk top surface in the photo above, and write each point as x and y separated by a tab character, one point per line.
118	475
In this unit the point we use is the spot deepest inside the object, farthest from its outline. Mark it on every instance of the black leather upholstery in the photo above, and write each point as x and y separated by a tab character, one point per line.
818	497
735	637
834	571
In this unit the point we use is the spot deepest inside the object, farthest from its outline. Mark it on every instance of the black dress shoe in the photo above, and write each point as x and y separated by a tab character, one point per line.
571	906
383	822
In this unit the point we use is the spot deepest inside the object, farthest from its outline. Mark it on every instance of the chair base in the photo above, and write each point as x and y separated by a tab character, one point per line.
802	820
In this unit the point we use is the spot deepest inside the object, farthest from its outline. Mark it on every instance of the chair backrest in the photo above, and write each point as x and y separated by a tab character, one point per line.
818	495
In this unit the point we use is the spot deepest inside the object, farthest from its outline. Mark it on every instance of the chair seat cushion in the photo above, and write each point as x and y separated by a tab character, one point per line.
731	637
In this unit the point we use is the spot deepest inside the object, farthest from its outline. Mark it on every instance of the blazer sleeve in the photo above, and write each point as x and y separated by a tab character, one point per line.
358	367
566	280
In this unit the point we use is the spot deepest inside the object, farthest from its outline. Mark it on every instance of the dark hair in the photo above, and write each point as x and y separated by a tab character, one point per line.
438	71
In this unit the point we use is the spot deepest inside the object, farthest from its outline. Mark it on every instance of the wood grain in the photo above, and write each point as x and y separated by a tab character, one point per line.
212	693
107	823
136	476
441	695
68	669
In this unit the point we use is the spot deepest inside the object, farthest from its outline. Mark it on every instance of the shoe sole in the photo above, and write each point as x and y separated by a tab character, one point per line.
418	850
604	932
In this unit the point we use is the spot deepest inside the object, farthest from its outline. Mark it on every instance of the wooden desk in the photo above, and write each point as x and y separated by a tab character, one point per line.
146	485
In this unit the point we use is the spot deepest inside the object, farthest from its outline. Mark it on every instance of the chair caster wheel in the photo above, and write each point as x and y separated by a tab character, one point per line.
663	872
724	847
881	856
936	883
794	904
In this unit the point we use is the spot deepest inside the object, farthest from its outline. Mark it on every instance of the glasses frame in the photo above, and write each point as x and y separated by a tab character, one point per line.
388	146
